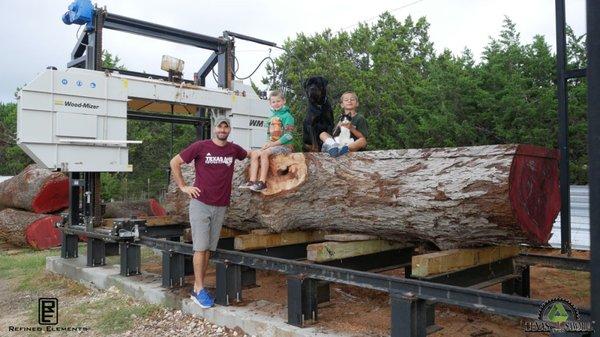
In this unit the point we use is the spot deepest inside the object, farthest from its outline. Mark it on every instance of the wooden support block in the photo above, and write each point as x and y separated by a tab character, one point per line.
329	251
456	259
226	232
253	241
151	221
344	237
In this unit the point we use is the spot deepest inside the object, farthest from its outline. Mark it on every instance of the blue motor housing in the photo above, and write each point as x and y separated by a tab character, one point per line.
80	12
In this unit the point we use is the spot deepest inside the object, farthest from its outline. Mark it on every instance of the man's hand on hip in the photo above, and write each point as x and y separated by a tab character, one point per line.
191	191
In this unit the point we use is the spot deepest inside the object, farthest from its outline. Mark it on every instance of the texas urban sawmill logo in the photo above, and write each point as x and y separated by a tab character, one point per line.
210	159
558	315
47	319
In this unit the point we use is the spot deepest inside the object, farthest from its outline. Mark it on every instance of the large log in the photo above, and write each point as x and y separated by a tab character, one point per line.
22	228
451	197
35	189
133	209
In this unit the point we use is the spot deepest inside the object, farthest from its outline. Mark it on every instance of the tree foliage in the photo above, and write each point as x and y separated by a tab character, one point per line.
414	97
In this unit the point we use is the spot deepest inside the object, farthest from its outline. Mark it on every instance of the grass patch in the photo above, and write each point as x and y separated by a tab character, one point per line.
111	314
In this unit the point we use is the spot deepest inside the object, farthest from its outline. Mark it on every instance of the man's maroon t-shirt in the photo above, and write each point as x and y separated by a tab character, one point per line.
214	169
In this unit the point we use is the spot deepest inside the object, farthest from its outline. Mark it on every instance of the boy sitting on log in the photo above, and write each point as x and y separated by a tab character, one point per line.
279	132
356	124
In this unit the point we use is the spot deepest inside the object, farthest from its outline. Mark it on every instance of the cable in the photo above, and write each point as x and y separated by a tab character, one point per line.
255	69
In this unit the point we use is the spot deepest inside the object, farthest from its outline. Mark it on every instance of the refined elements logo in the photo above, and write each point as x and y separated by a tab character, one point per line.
48	311
47	319
558	315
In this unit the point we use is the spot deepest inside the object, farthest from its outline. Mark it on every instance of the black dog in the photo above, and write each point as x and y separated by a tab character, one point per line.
319	117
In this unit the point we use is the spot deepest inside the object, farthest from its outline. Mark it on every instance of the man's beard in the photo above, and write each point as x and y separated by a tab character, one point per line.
222	136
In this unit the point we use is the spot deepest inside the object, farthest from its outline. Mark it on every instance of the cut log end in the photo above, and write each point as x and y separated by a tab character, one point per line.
156	208
534	191
43	234
53	196
285	173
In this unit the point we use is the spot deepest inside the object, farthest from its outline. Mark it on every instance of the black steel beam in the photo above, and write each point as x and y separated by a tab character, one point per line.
163	231
559	262
440	293
144	75
593	117
563	128
157	117
79	48
206	68
229	283
78	62
475	275
149	29
251	39
377	261
409	316
293	252
575	73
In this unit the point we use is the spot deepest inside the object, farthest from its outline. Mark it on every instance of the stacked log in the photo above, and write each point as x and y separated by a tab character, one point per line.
451	197
22	228
36	189
24	199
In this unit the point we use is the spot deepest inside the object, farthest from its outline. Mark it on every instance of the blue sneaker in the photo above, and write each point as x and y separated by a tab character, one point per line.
203	299
332	150
343	150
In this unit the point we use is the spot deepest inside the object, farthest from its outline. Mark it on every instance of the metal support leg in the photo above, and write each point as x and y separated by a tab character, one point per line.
173	269
111	248
70	246
519	286
323	292
229	283
96	252
248	277
409	316
302	300
522	284
130	259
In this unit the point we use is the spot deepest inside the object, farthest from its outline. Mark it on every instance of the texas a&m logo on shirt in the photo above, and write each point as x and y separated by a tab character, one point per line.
213	160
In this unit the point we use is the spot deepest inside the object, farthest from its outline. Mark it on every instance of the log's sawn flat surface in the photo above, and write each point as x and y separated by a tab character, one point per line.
451	197
35	189
22	228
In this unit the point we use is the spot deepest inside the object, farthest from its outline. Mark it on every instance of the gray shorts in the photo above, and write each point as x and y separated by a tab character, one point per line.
280	149
206	222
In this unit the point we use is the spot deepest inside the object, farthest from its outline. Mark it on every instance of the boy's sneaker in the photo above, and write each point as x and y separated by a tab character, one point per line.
331	149
343	150
247	185
203	299
259	186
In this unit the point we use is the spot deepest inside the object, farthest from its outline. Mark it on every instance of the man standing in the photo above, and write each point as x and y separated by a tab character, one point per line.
213	161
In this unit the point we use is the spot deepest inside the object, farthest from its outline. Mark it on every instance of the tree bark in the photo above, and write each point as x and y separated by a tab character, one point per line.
131	209
35	189
22	228
451	197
